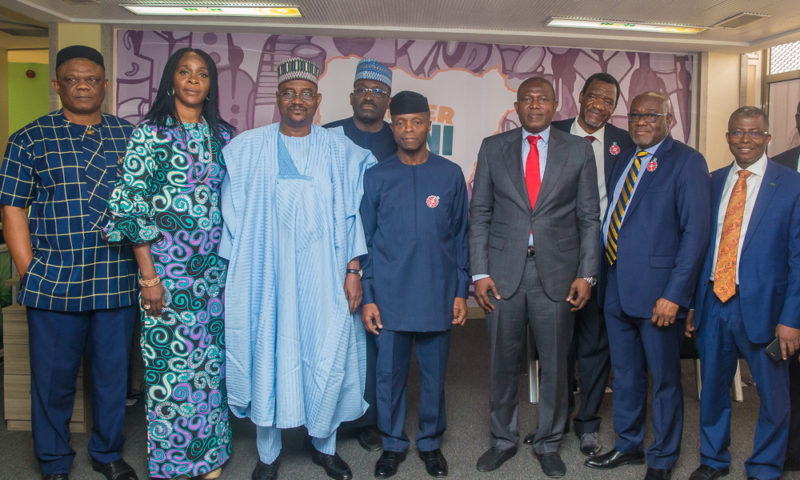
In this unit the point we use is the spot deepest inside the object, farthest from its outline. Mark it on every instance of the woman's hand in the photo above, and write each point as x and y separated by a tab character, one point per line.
153	300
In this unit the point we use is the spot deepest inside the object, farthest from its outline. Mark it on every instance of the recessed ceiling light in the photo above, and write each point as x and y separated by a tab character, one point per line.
228	11
618	25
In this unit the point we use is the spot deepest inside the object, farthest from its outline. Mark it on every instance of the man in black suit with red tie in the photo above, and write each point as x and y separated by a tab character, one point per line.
789	158
598	100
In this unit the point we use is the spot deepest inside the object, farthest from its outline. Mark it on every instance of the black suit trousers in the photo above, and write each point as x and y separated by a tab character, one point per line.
590	352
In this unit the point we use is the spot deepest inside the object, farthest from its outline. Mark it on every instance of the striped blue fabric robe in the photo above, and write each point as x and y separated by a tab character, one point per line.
295	355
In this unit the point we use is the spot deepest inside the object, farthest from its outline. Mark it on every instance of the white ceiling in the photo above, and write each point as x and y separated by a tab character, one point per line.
498	21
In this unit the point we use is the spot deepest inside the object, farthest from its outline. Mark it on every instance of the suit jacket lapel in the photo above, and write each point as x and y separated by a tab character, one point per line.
646	177
608	158
512	158
553	167
768	187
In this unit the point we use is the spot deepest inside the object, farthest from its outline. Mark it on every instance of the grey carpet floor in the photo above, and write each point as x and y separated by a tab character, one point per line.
466	438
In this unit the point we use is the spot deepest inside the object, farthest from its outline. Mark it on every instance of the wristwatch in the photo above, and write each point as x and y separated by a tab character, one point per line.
358	272
592	281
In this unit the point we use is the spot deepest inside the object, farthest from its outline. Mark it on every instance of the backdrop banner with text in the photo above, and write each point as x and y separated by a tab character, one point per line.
471	86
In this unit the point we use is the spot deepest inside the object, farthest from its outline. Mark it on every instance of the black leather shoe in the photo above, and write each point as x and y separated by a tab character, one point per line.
528	440
791	465
493	458
116	470
658	474
435	463
388	463
370	439
55	476
266	471
590	444
705	472
552	465
614	459
334	466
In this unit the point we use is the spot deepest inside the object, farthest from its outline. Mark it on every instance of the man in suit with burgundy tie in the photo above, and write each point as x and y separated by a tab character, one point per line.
597	100
655	234
534	257
790	158
748	294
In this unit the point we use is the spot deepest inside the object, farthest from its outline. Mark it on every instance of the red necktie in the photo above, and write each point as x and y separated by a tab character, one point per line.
590	138
532	179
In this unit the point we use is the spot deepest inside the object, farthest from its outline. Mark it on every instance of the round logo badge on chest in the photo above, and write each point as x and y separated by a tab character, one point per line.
432	201
651	167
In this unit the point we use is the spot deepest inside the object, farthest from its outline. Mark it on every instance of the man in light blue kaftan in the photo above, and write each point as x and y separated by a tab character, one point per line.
290	204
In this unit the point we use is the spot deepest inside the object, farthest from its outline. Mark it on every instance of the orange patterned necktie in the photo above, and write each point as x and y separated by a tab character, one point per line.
725	273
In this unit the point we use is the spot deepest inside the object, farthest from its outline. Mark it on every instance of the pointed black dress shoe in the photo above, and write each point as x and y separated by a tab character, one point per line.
334	466
658	474
55	476
705	472
435	463
791	465
370	439
266	471
494	457
388	463
116	470
614	459
552	465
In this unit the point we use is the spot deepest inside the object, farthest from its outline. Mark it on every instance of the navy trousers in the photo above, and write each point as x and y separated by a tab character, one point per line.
637	345
58	340
719	341
394	359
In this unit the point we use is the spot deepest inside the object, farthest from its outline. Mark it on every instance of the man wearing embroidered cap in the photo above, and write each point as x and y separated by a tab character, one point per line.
79	292
292	232
369	99
416	279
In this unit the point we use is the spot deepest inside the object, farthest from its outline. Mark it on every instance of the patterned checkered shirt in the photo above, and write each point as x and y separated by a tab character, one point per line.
65	173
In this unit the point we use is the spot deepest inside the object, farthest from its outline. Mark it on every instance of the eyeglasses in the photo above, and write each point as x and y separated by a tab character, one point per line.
306	96
753	134
376	92
647	117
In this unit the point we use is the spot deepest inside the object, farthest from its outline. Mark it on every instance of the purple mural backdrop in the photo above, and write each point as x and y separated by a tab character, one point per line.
471	86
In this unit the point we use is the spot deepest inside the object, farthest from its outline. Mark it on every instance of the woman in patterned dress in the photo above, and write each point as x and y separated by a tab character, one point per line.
167	204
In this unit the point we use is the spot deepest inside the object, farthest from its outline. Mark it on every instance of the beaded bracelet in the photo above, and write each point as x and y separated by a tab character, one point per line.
150	283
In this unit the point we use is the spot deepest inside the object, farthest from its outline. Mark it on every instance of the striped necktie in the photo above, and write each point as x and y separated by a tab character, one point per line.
615	222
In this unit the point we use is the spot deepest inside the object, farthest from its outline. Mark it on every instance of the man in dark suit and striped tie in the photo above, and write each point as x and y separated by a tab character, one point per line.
655	235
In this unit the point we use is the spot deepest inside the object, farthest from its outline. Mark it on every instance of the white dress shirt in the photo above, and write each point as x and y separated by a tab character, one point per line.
599	161
753	183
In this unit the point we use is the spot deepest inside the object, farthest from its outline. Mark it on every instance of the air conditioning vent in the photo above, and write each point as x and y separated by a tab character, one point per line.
739	20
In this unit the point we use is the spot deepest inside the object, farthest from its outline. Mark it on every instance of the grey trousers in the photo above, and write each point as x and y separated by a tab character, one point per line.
551	323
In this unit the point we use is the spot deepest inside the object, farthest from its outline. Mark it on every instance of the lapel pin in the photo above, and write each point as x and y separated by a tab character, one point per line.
432	201
771	184
614	149
651	167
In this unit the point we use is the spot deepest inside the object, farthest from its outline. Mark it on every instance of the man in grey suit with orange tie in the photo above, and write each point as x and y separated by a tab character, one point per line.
534	253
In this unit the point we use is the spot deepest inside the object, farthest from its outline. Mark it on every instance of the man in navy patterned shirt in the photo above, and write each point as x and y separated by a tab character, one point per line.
79	292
